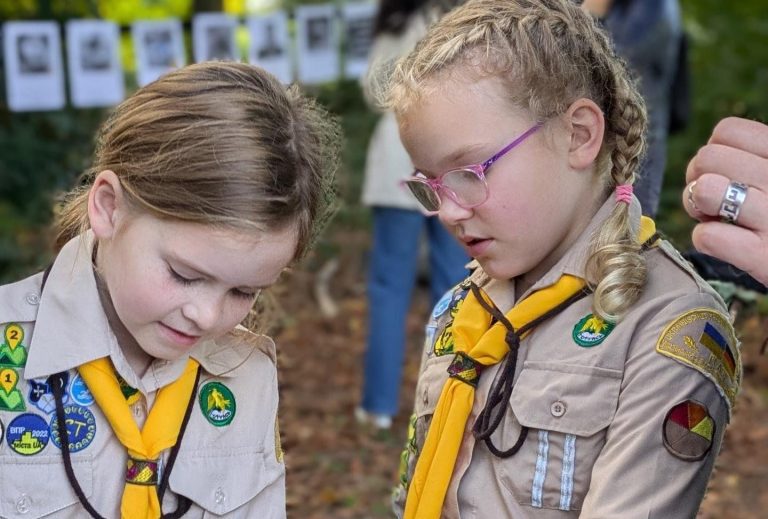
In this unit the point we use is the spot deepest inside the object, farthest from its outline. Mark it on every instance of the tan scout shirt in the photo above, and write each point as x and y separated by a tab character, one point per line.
229	464
597	413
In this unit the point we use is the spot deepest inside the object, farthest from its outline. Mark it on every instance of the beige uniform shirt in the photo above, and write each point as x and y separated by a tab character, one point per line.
623	422
229	463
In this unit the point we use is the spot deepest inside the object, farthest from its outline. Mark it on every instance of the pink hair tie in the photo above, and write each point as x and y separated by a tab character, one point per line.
624	193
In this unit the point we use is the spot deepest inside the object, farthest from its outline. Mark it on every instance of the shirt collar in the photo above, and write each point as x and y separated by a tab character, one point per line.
71	327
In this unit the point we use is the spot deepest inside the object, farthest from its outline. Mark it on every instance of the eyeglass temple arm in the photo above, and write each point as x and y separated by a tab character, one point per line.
487	164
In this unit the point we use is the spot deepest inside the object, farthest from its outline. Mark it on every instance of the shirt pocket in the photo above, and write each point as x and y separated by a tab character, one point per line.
428	390
37	486
567	409
239	483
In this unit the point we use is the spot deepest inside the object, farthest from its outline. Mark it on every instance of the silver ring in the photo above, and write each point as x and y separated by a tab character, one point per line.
690	196
734	198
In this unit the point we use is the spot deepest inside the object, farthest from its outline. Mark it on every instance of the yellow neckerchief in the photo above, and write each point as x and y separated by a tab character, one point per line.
484	346
160	432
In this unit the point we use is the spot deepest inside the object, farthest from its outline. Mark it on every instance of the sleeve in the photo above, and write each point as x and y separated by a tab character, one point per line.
672	411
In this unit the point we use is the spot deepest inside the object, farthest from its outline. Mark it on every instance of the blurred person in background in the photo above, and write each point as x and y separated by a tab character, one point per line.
648	35
398	223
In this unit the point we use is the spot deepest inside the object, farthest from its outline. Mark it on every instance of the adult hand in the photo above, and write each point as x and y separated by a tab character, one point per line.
736	152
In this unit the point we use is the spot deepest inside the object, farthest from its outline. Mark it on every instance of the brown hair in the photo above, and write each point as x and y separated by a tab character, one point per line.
217	143
550	53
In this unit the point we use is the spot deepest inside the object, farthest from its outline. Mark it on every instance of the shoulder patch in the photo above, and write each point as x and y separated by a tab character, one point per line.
704	340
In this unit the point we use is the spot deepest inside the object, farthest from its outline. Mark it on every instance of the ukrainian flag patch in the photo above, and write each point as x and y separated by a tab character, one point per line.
704	340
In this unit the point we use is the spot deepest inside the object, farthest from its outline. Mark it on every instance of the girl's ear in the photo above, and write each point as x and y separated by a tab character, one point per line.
105	204
586	123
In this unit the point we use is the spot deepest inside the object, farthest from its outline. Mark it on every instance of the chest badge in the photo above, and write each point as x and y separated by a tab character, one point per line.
217	403
11	398
81	428
591	331
27	434
13	353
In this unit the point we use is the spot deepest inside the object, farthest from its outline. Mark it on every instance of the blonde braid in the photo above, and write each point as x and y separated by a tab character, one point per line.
616	267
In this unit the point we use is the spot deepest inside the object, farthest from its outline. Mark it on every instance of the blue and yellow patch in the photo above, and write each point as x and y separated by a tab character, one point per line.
444	343
80	425
704	340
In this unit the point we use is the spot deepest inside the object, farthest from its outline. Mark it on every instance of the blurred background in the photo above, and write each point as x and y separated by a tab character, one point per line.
336	467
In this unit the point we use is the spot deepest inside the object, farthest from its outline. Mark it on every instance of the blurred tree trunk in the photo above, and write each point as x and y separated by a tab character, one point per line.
201	6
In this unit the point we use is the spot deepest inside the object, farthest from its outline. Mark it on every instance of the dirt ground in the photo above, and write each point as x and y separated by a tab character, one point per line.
338	469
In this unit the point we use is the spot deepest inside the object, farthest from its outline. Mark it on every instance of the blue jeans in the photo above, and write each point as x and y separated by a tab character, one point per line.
391	278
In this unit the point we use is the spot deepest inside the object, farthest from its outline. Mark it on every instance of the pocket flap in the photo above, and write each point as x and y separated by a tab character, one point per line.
431	384
37	486
580	400
222	482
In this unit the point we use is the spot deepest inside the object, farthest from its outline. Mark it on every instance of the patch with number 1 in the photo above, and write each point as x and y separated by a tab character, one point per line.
11	398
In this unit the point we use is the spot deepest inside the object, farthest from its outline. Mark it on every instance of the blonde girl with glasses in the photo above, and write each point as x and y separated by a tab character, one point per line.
129	388
583	369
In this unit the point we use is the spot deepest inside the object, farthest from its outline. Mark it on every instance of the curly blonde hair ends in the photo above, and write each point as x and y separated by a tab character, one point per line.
549	53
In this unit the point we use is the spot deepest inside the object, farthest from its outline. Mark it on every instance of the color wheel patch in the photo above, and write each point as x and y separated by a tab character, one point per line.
688	431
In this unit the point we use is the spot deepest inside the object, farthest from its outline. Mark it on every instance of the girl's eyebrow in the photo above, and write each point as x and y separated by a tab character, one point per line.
458	157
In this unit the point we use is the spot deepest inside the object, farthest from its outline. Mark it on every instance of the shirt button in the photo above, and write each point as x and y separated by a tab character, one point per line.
219	496
22	504
33	298
557	409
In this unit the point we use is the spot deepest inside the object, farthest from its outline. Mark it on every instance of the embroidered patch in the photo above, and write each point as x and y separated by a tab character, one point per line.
279	454
409	450
27	434
79	391
444	339
141	472
465	368
591	331
2	431
442	305
81	428
704	340
11	398
13	353
217	403
688	431
131	394
41	394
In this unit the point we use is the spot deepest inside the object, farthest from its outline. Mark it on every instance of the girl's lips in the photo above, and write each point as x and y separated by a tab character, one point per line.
178	337
477	246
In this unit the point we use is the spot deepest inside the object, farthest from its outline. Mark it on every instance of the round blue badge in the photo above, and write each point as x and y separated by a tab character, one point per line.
27	434
81	428
442	305
80	392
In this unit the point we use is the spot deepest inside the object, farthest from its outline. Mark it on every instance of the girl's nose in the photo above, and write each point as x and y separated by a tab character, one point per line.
205	311
451	213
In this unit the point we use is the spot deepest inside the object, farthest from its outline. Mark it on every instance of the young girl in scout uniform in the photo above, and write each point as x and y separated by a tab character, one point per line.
583	369
128	387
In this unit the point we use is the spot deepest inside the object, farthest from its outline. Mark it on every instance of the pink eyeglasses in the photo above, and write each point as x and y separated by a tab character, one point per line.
465	185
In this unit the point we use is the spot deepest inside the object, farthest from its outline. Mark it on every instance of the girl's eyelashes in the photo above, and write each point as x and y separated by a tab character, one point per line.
179	278
245	295
240	294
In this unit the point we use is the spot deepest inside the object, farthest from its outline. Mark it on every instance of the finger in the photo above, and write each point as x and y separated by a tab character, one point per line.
731	162
709	193
750	136
743	248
